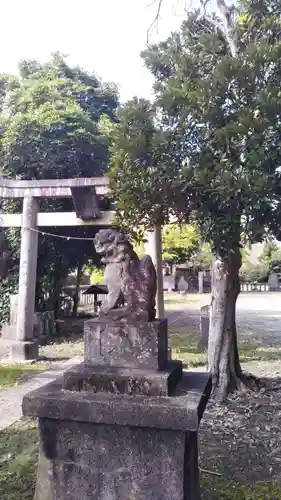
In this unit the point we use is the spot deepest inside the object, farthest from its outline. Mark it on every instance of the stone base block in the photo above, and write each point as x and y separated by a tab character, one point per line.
9	332
23	351
103	446
139	344
117	380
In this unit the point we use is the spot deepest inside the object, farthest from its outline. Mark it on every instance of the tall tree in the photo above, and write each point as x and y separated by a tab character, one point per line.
219	102
142	166
51	129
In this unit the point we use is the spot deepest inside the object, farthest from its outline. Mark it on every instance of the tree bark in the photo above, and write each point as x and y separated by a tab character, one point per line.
223	358
77	289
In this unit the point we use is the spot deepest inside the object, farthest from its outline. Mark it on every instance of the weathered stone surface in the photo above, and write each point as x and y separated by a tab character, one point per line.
180	412
95	462
44	327
204	328
139	344
108	447
130	281
21	351
129	381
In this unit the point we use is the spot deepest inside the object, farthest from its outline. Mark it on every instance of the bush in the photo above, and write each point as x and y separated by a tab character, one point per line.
251	273
8	287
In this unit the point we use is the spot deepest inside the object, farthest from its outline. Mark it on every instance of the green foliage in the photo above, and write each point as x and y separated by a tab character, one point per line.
206	148
254	273
51	129
203	258
140	249
271	257
179	243
18	458
9	285
97	276
141	167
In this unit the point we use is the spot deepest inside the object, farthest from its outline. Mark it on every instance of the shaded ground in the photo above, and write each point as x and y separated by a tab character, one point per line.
240	442
68	344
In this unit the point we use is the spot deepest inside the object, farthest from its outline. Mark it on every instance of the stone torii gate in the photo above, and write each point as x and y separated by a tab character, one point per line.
85	193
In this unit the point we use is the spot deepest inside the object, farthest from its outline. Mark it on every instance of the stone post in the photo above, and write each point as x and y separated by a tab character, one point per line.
154	249
200	282
25	347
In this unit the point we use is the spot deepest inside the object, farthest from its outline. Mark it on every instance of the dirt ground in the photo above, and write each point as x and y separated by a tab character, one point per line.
239	441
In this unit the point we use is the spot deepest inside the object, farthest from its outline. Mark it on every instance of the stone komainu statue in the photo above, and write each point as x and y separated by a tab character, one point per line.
129	280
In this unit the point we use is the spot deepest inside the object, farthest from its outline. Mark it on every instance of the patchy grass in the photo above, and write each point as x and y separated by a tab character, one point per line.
184	347
13	375
68	343
177	298
18	460
62	350
216	488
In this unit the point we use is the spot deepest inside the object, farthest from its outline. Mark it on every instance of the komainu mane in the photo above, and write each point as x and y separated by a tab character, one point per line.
129	280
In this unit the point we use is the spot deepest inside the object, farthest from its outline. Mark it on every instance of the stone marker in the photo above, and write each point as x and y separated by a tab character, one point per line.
123	425
204	328
200	282
44	327
169	283
182	285
273	282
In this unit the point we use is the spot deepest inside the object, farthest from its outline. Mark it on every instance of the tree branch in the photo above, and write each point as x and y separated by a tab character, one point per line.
227	21
156	19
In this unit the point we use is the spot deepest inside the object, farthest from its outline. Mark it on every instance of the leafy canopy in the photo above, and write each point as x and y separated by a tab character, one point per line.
142	168
218	113
179	243
52	129
52	116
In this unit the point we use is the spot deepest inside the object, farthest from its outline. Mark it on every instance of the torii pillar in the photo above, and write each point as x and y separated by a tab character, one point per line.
154	249
25	347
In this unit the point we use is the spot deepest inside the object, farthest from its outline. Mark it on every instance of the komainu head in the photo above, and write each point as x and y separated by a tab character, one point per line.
113	245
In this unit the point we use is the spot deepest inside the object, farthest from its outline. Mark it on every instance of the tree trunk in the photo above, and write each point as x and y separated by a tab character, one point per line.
223	358
77	289
60	275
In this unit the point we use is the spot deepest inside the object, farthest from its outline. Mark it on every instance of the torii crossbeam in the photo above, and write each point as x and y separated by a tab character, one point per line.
85	193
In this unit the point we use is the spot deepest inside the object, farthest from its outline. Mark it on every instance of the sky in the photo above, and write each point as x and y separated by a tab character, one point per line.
105	36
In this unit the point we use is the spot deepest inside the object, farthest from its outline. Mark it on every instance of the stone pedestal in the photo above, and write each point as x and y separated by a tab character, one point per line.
204	328
120	432
138	344
19	351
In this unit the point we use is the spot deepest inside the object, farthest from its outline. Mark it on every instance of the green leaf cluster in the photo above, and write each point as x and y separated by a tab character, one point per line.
217	114
52	127
180	243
